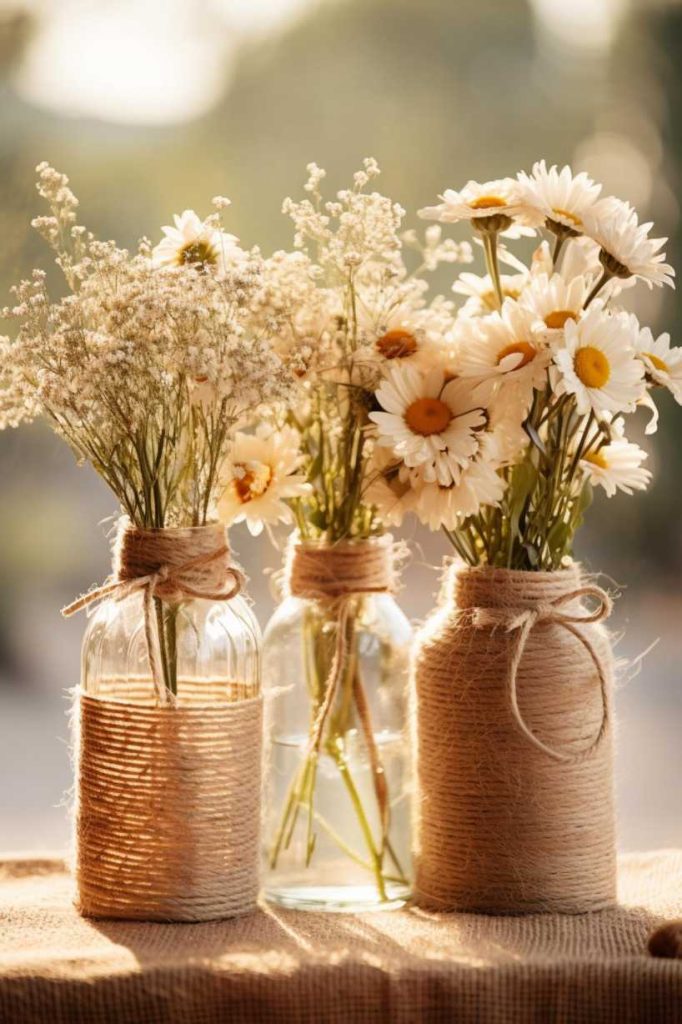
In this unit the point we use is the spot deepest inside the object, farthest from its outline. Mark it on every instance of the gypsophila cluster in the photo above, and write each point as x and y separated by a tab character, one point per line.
149	363
349	309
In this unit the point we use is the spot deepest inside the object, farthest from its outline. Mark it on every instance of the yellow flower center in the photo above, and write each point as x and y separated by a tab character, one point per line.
251	481
198	251
489	299
592	367
657	362
428	416
523	348
568	215
397	344
486	202
558	317
597	459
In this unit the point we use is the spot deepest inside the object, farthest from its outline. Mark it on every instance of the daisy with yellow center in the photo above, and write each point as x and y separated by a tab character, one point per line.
617	466
625	247
430	422
662	361
503	345
406	335
553	300
491	205
194	242
560	197
390	488
597	363
260	477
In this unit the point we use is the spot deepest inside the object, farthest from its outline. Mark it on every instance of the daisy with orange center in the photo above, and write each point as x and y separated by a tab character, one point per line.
503	345
617	466
553	300
491	205
561	198
429	422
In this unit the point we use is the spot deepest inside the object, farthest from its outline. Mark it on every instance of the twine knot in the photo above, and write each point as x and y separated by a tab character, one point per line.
522	620
172	565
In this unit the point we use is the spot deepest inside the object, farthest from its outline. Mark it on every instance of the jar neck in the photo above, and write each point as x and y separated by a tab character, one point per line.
330	571
490	587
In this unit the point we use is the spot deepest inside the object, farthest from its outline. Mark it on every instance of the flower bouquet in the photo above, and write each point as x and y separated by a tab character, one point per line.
501	446
336	651
146	368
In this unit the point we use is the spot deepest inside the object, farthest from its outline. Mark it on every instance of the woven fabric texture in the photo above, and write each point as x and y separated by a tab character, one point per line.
406	967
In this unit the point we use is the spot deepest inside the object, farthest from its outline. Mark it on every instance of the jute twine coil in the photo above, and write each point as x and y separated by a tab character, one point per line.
172	564
513	678
168	808
168	795
334	574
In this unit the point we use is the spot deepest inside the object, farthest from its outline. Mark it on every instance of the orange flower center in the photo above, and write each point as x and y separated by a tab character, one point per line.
657	362
397	344
428	416
198	252
597	459
568	215
558	317
486	202
253	481
522	348
592	367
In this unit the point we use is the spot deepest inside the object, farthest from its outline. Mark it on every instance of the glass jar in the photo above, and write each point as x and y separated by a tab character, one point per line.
337	824
212	650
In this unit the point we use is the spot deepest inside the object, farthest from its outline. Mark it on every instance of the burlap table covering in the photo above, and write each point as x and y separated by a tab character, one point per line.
276	965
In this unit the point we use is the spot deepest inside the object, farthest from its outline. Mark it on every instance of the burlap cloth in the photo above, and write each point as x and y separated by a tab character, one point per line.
276	965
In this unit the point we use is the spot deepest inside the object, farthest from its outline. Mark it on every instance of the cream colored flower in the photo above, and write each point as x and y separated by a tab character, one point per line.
662	362
260	477
481	296
598	365
554	300
491	205
504	345
430	422
561	197
196	242
626	249
438	506
390	487
617	466
405	335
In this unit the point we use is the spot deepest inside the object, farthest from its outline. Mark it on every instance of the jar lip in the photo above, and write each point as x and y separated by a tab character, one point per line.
517	575
213	524
378	539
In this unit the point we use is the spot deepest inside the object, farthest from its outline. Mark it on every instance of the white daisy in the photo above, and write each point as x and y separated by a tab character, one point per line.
597	363
561	197
429	421
490	206
405	335
438	506
662	362
502	345
626	249
617	466
196	242
481	295
554	300
260	477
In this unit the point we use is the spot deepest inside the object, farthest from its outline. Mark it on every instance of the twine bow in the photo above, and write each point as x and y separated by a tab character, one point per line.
169	583
521	621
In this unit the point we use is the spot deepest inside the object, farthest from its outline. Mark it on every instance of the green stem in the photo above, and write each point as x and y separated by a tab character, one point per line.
604	279
490	250
558	246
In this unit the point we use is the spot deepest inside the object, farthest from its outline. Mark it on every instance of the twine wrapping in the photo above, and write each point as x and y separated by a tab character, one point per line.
335	574
168	812
171	564
513	684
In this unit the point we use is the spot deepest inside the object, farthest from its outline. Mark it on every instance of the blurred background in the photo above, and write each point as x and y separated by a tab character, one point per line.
152	106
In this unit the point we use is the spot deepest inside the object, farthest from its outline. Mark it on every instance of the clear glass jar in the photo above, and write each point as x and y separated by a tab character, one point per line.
212	650
337	826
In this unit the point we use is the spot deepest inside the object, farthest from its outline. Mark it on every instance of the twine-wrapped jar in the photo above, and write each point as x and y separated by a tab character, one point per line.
168	735
513	676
